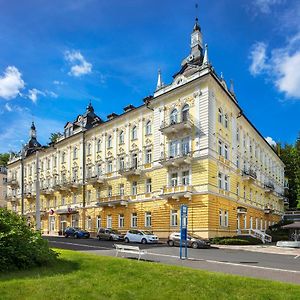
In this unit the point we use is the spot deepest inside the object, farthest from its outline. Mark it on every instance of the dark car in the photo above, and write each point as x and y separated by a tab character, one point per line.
192	241
109	234
76	232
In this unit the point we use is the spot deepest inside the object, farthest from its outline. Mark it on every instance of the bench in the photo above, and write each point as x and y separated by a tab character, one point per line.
129	249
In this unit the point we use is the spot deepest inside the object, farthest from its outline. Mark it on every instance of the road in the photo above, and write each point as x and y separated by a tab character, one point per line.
246	263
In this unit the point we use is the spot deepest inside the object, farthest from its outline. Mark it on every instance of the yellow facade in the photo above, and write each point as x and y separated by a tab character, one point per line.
188	144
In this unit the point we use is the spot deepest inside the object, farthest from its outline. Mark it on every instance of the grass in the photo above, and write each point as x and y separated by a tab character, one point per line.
86	276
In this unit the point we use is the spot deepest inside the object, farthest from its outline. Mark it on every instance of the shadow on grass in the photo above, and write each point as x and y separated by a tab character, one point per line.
61	266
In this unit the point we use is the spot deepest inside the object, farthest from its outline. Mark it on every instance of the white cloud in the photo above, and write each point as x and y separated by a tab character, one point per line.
57	82
34	93
270	141
281	67
8	107
79	65
264	6
11	83
258	58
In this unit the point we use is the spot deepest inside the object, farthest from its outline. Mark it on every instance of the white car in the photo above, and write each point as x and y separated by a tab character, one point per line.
140	236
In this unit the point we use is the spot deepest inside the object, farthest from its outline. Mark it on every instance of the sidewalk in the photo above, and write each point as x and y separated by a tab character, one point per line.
263	249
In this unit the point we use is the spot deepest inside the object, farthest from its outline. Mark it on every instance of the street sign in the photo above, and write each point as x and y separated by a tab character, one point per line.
183	230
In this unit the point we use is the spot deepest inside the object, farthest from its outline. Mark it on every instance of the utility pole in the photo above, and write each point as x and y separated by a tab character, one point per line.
37	199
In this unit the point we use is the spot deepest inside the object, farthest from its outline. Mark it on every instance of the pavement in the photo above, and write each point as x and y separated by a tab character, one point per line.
265	262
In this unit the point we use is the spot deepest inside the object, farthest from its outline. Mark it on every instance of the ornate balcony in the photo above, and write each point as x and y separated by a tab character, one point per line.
249	175
170	127
46	190
113	201
176	161
176	192
130	171
269	187
95	178
268	209
12	182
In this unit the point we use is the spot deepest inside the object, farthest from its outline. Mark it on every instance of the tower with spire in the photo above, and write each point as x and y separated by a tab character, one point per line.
33	143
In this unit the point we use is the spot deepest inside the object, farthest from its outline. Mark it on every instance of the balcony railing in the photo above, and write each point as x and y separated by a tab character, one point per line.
130	171
176	192
170	126
249	174
94	178
182	158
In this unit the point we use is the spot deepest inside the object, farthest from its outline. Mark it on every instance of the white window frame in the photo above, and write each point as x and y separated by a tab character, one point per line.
121	221
134	220
174	217
148	219
109	221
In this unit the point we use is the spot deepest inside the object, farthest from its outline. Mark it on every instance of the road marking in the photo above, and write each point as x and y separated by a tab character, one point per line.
81	245
229	263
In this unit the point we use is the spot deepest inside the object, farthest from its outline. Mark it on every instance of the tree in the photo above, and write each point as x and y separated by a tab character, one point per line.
4	158
54	137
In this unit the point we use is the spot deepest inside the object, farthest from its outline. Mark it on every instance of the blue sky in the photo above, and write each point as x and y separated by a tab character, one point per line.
57	55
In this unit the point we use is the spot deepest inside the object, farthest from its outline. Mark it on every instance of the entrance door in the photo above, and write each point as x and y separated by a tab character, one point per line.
63	224
238	224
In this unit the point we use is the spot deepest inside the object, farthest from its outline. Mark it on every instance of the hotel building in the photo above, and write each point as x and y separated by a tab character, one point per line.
189	143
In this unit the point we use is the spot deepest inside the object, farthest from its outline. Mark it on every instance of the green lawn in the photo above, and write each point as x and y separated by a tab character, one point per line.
86	276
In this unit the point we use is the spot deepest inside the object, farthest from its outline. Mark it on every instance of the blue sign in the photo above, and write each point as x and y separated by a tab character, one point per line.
183	230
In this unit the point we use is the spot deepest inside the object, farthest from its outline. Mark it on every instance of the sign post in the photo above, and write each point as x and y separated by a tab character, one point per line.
183	230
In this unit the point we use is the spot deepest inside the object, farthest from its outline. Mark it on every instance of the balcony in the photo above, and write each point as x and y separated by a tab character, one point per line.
113	201
268	209
46	190
12	182
95	178
249	175
12	198
176	192
130	171
176	161
269	187
170	127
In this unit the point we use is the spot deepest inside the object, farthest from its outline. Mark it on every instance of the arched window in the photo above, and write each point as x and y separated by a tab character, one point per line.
226	121
121	137
185	113
98	146
89	149
74	153
109	141
174	116
148	127
220	117
134	133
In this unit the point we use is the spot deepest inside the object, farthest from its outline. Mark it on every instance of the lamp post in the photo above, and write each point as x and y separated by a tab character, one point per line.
22	181
37	199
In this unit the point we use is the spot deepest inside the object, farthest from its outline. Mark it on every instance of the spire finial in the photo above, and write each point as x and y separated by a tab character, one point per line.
205	59
196	26
159	84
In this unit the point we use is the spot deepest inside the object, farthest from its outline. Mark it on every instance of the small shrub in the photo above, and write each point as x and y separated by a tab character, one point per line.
234	241
240	240
20	246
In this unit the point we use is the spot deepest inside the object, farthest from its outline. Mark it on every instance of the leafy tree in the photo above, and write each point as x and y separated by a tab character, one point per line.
4	158
20	246
54	137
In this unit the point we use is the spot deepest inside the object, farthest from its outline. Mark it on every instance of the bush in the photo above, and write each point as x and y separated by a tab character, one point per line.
240	240
20	246
234	241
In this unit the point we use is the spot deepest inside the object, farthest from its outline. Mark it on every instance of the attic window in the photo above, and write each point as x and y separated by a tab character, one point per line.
112	116
179	81
129	108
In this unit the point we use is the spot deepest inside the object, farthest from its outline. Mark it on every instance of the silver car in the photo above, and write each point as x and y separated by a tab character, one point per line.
192	241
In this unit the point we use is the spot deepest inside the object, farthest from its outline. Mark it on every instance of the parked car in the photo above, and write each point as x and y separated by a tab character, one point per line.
109	234
140	236
192	241
76	232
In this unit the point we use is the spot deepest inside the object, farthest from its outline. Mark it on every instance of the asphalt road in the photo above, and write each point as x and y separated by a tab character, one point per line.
255	264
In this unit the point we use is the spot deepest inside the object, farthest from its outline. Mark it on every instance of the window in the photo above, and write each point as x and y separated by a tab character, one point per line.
226	121
63	201
148	128
122	163
244	192
109	221
185	146
220	180
75	153
245	222
226	151
226	182
148	185
109	166
220	217
173	148
134	133
220	115
226	218
185	113
174	217
237	162
185	178
98	222
109	141
89	149
220	147
148	156
89	223
74	199
174	116
148	219
63	158
134	220
238	189
121	189
134	188
98	193
121	137
134	161
109	191
174	179
99	170
237	134
98	146
251	222
88	197
121	221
